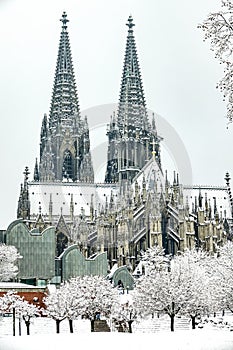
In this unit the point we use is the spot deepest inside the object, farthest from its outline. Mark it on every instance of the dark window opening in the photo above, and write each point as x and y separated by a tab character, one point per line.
67	170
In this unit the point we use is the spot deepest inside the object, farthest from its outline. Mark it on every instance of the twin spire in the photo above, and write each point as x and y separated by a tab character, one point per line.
65	145
132	139
64	104
132	104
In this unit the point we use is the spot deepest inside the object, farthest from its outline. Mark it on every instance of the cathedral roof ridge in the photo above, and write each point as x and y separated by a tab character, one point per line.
205	187
73	184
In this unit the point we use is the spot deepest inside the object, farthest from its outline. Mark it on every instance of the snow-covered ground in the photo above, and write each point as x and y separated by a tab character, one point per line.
181	340
144	337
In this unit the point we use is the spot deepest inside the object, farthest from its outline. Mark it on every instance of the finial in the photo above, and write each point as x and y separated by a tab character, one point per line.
227	178
36	172
200	198
174	181
153	143
215	205
130	23
166	179
26	173
64	20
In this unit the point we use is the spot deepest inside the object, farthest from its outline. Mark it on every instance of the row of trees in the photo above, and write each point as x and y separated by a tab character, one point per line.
193	283
87	297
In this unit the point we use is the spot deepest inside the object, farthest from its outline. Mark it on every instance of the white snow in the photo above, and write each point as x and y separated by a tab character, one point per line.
43	336
61	196
17	285
193	340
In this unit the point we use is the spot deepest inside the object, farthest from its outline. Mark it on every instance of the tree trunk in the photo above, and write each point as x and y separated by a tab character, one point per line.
92	325
172	316
172	322
130	326
58	326
28	327
14	321
193	319
71	326
19	326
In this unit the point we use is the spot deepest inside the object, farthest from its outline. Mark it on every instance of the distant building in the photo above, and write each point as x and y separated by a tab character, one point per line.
32	294
62	209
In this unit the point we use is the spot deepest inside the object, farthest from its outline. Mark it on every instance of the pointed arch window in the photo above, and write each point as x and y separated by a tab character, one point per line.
67	169
62	243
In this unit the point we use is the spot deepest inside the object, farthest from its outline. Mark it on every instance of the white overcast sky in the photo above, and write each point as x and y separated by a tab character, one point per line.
179	75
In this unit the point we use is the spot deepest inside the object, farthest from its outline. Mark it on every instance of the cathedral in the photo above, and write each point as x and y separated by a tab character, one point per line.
61	210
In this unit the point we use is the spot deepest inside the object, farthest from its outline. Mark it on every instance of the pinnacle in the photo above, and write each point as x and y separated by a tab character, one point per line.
64	20
130	23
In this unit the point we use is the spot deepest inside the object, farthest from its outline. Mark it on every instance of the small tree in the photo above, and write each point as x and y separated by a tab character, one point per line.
8	258
154	259
99	297
56	307
125	312
27	311
180	287
9	303
161	289
197	282
223	268
12	302
74	300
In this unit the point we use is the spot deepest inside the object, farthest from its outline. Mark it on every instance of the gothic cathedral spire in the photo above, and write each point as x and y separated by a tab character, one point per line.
132	104
132	139
64	103
65	145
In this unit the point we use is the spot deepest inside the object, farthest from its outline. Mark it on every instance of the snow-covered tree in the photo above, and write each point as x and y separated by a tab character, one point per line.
81	296
125	312
9	302
180	288
160	290
154	259
27	311
223	269
218	28
75	302
99	297
197	279
13	303
56	307
8	258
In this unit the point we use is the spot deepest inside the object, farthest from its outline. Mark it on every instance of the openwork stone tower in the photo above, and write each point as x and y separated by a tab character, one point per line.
65	144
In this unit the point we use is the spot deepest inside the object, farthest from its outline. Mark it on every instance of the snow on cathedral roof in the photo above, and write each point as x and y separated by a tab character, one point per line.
60	195
218	194
152	174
